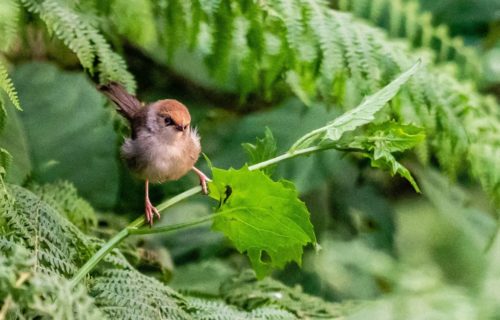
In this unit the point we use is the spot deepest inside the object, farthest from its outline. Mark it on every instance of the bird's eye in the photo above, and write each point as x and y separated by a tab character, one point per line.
169	121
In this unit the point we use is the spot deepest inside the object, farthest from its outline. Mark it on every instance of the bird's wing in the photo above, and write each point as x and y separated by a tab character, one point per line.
128	105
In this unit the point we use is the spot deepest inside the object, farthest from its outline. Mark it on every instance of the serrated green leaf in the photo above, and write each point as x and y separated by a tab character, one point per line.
262	150
392	136
381	140
262	217
383	159
365	112
359	116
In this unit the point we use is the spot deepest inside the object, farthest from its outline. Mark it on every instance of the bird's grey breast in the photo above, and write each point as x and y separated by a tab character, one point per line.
161	156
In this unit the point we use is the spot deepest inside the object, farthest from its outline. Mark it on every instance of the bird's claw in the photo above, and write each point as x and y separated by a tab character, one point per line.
203	183
203	180
150	211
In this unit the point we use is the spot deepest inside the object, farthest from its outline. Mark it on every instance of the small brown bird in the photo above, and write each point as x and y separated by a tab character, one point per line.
163	146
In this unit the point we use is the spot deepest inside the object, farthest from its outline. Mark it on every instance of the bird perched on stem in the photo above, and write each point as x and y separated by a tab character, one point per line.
163	145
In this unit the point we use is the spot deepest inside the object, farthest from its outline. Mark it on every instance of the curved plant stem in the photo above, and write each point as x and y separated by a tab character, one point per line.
124	233
172	227
134	228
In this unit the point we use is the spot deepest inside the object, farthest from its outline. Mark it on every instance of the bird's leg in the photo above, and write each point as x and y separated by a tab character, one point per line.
203	179
150	210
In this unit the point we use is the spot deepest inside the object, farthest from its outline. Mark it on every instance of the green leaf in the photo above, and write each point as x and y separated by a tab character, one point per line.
381	140
13	139
365	112
357	117
262	150
391	136
383	159
69	132
262	217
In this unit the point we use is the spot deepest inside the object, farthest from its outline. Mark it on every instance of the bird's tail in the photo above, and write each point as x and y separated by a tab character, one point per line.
127	104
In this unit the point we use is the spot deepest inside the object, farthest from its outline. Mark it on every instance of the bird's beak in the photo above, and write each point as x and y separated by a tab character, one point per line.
179	127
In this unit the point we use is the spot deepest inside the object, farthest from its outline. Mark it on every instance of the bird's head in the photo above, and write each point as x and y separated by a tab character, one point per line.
172	117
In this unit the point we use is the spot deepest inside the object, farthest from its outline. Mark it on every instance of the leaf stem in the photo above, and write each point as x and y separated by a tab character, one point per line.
285	156
124	233
134	228
172	227
99	255
304	138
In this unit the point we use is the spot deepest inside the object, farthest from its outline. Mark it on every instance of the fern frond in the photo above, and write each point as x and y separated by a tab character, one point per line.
296	32
487	164
56	248
206	309
7	86
332	62
45	232
66	25
128	294
407	19
82	36
247	293
63	197
135	20
349	59
9	23
35	295
40	248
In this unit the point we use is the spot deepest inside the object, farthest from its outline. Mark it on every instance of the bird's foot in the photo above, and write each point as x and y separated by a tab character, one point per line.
203	184
150	211
203	180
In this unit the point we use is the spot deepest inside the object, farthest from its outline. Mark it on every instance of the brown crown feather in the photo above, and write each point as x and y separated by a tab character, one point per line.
175	110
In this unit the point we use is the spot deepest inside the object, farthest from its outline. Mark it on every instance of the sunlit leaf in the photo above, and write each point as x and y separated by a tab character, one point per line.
262	217
365	112
359	116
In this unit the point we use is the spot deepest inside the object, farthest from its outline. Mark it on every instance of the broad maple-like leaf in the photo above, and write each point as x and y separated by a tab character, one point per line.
262	217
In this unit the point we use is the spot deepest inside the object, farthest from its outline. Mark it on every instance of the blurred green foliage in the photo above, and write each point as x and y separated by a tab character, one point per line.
64	126
241	67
